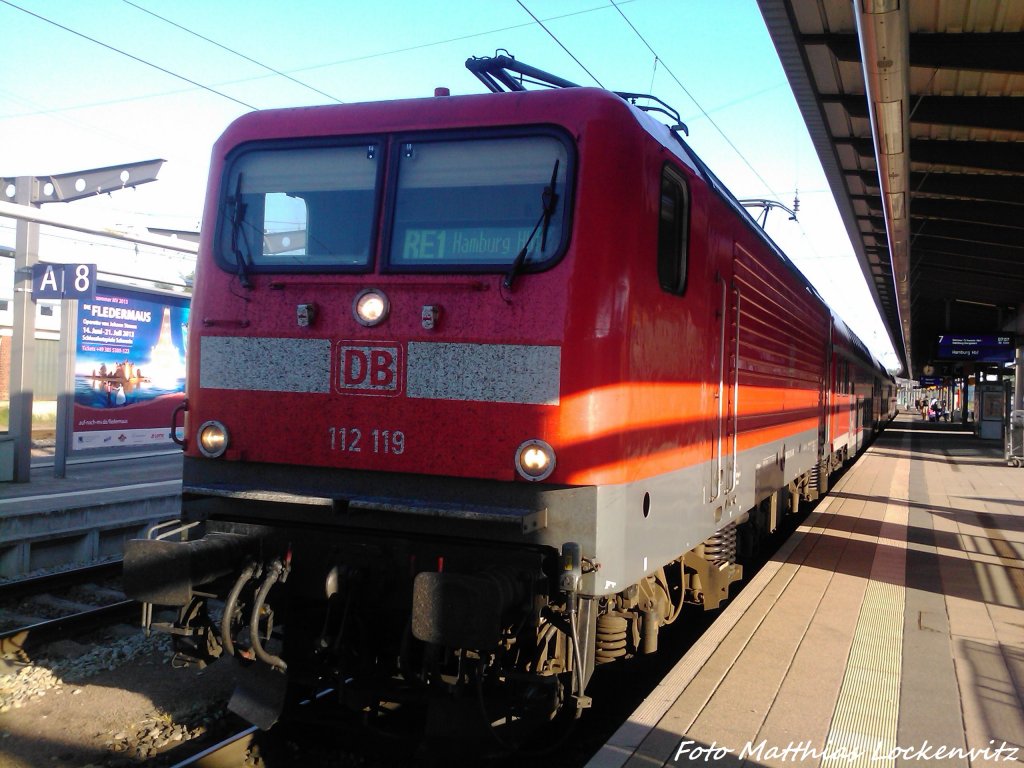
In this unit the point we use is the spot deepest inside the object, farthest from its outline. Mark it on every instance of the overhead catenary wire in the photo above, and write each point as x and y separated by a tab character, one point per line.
446	41
105	243
312	67
657	60
125	140
131	56
232	51
693	99
560	44
803	233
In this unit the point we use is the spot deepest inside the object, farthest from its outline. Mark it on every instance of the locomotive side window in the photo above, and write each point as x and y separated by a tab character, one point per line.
290	209
479	204
673	231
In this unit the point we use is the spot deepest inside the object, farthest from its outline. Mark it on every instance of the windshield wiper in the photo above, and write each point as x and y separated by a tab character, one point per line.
549	198
237	221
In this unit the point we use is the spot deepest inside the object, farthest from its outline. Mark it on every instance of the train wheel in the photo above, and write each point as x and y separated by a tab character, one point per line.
531	715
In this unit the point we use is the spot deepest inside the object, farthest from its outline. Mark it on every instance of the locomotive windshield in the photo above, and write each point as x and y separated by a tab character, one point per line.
296	208
478	203
466	204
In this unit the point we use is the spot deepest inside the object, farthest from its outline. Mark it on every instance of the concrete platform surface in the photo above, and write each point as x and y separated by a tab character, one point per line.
116	477
888	631
88	514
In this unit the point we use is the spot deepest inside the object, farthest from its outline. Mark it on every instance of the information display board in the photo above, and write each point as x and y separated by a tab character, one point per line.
129	368
981	348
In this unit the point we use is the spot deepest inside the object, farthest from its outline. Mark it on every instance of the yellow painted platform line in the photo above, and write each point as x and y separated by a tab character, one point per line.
864	724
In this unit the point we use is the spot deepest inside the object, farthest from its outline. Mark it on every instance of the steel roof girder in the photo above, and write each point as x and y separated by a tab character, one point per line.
974	212
999	113
65	187
983	52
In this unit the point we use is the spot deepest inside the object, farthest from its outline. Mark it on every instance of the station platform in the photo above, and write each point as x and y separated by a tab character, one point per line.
113	476
88	514
889	630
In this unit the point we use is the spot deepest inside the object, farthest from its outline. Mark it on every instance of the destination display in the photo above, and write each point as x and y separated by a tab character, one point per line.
483	245
980	348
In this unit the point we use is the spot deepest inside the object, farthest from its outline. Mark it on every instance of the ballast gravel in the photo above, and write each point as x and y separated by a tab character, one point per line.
117	702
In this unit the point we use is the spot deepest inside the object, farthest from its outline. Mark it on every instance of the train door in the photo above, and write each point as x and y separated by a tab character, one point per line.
827	391
851	400
823	442
862	405
829	376
726	383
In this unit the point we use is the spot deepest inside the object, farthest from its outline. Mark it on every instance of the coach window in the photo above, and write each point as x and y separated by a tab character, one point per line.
673	230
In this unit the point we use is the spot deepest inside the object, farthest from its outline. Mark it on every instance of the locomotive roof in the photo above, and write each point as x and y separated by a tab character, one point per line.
575	107
570	108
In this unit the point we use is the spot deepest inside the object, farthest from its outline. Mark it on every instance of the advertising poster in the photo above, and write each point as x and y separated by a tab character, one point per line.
129	368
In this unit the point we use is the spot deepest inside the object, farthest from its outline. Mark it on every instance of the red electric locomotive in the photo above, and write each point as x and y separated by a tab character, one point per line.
481	390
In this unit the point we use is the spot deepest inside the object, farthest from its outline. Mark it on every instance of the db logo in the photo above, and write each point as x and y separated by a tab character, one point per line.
373	370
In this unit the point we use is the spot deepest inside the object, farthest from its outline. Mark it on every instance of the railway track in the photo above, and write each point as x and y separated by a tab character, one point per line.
42	609
228	753
236	749
331	736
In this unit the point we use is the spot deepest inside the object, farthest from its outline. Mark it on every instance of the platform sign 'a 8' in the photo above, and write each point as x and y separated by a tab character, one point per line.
63	281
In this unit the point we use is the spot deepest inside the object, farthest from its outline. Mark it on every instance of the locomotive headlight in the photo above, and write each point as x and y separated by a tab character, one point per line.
371	307
535	460
212	439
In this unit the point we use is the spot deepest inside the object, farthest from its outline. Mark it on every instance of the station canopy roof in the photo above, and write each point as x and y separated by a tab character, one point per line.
916	110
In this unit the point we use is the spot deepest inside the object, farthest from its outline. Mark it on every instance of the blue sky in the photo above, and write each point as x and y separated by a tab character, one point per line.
68	103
